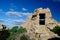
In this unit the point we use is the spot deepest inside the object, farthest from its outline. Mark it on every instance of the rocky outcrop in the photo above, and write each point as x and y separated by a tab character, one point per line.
38	25
2	27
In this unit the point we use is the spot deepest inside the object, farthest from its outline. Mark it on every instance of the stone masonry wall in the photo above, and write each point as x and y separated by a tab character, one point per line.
37	31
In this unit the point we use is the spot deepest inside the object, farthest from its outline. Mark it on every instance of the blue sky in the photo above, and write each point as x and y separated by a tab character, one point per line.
15	12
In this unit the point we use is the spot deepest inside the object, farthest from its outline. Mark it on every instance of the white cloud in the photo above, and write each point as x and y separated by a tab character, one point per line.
12	5
25	13
10	13
11	9
1	10
18	14
18	22
1	20
24	9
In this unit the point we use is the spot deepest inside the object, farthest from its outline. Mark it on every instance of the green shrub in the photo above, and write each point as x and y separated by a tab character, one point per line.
22	30
56	30
4	34
13	33
14	29
23	37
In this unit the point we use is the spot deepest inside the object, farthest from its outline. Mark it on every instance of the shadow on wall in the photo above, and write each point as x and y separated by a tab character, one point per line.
54	38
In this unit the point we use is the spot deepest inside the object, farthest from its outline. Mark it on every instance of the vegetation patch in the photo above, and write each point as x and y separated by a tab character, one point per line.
56	30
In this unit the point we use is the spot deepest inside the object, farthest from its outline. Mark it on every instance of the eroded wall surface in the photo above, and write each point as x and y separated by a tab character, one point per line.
38	31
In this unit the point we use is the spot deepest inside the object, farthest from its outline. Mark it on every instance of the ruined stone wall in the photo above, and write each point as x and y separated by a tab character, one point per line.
37	31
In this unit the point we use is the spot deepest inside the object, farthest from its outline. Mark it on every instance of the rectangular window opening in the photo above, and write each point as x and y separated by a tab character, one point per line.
42	19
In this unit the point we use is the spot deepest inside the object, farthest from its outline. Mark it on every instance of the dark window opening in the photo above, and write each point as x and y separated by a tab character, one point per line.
42	16
39	36
42	22
42	19
34	16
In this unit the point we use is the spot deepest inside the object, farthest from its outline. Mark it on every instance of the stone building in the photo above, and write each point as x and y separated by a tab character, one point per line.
38	24
2	27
